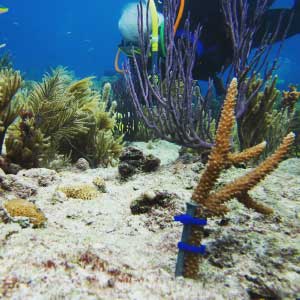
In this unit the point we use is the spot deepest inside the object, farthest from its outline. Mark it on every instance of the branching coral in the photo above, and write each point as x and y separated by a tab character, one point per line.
253	124
99	145
211	203
73	118
268	115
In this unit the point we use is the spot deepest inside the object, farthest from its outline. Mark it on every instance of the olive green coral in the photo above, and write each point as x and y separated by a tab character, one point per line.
70	118
253	125
268	115
100	145
26	145
10	103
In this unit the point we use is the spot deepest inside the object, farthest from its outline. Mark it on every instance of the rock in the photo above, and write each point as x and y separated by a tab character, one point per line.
44	177
22	212
99	182
8	167
82	164
126	170
20	186
13	168
131	154
148	200
132	160
151	163
2	175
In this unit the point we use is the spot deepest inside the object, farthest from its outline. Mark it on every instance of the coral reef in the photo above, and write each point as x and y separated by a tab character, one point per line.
64	117
257	118
212	203
247	253
129	123
23	212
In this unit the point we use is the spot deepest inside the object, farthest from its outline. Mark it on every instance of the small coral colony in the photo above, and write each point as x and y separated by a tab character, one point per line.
62	120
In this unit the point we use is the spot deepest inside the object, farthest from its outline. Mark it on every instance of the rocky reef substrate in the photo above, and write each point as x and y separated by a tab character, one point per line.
93	247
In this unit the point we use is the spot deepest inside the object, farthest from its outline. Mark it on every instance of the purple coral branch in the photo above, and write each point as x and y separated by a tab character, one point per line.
167	105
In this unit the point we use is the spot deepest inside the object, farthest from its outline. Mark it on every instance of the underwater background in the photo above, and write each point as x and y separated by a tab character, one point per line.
83	36
111	186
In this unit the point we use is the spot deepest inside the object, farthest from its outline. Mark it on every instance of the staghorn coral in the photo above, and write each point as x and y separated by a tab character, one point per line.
10	102
19	209
212	203
85	192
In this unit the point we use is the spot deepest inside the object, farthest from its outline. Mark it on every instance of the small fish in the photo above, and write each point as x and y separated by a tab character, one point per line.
2	45
3	10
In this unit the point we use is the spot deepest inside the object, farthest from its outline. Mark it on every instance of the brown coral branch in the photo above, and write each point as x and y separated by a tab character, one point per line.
249	202
245	183
246	155
218	155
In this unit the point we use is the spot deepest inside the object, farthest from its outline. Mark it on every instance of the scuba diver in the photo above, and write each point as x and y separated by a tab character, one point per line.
214	51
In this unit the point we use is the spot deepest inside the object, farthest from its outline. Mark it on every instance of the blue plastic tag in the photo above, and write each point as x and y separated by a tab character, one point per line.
188	220
186	247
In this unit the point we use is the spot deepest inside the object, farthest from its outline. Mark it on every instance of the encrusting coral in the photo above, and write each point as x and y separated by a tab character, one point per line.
211	203
20	208
85	192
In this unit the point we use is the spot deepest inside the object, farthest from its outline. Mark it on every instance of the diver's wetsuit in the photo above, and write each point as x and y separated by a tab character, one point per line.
215	35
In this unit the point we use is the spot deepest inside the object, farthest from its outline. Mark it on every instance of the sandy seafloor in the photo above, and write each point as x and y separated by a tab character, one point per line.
96	249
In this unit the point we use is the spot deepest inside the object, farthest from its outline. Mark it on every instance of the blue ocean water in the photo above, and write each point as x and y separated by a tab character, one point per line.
84	36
